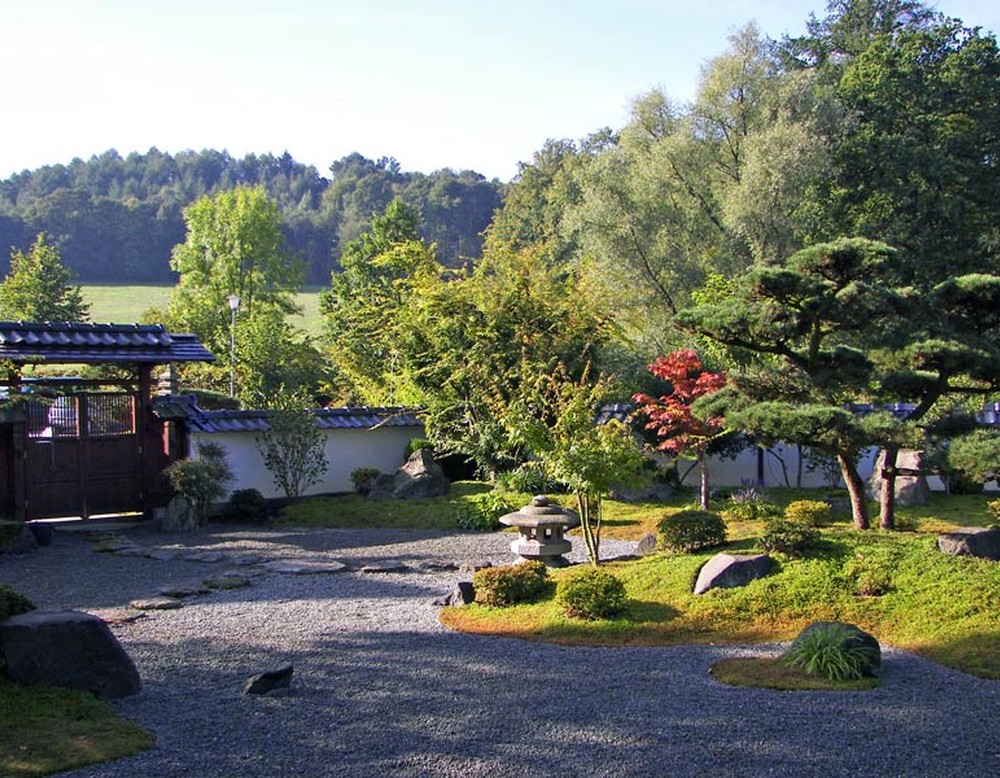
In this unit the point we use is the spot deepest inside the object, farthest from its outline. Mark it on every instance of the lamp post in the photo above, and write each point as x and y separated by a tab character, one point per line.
234	304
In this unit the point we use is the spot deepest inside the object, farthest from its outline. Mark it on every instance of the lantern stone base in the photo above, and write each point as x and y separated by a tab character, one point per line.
548	552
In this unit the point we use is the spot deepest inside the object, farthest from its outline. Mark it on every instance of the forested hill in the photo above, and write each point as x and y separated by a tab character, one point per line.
116	219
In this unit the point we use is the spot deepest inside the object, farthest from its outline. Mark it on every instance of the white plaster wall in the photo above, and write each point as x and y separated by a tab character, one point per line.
346	450
743	469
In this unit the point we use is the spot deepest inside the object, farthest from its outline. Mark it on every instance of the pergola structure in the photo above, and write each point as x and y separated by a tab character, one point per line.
74	446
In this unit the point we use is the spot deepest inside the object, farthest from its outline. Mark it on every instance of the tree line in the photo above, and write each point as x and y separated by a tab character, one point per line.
117	219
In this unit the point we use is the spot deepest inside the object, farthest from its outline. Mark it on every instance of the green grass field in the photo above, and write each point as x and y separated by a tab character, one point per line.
127	304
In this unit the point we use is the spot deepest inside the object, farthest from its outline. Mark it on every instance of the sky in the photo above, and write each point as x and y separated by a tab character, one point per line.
463	84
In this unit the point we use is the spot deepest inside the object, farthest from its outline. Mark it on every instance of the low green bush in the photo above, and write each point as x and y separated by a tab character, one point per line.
246	505
13	603
592	594
501	587
812	513
690	530
789	537
872	568
993	508
834	651
363	478
416	444
483	513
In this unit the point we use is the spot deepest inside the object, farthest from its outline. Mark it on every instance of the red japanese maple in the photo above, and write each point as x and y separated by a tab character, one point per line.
679	431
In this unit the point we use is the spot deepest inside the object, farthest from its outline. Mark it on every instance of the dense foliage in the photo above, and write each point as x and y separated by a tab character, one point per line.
116	219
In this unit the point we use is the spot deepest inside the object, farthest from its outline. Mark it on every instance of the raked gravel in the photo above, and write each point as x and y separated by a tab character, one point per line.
382	689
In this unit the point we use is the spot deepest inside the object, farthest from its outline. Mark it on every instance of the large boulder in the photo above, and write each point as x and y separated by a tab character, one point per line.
419	478
67	648
728	571
17	538
181	515
852	636
910	489
971	541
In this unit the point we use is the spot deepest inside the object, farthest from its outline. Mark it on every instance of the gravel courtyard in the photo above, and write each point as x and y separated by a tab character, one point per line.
382	689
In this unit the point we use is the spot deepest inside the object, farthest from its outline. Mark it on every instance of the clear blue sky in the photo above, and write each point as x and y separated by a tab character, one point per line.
475	84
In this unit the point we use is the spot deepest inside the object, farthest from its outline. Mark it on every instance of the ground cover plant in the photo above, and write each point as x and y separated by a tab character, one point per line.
47	730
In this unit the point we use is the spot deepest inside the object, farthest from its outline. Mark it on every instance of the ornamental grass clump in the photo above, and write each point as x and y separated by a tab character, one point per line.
838	652
501	587
749	503
690	530
592	594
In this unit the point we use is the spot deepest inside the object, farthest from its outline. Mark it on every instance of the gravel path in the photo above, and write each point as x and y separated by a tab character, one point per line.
382	689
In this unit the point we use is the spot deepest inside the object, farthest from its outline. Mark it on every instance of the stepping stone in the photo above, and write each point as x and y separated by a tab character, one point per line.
132	550
161	554
117	615
156	604
227	582
433	565
180	591
471	567
304	566
250	560
109	545
205	556
386	567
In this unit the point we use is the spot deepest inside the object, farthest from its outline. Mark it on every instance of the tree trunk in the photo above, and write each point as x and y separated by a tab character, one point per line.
590	525
856	488
705	492
887	497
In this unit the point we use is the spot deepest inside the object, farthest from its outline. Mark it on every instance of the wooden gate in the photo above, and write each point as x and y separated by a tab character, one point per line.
83	455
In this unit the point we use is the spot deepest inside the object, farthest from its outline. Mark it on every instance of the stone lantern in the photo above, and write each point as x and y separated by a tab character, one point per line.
540	528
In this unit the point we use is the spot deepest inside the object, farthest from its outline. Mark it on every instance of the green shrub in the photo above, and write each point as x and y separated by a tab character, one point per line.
993	508
529	478
246	505
592	593
13	603
690	530
500	587
416	444
203	480
363	478
484	512
812	513
835	651
789	537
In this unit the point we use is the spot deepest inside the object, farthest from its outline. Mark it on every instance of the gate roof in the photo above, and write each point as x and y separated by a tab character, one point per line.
93	344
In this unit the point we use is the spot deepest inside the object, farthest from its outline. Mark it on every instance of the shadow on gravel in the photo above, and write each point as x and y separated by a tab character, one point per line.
441	704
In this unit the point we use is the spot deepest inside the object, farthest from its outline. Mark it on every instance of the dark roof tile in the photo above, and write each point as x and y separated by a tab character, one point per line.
85	343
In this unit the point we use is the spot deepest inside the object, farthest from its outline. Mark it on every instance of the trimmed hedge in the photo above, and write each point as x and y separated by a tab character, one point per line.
592	594
690	530
501	587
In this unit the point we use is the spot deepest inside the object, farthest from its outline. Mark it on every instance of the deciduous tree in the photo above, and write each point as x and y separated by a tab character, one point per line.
670	415
38	287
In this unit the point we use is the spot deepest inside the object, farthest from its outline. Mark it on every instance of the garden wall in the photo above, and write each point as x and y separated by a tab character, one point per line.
779	466
346	450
